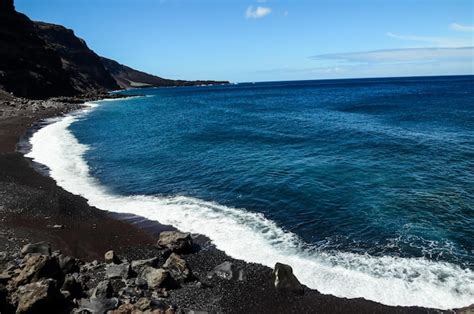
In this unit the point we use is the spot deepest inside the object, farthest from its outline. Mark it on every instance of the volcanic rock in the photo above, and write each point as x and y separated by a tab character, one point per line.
284	279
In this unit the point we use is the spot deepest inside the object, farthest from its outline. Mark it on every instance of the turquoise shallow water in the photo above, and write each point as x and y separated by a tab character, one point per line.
382	166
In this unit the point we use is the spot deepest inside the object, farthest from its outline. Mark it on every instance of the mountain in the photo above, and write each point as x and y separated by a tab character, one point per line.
28	67
41	60
127	77
82	65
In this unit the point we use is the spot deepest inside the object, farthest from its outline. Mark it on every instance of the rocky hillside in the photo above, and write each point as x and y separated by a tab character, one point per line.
28	67
82	65
41	60
127	77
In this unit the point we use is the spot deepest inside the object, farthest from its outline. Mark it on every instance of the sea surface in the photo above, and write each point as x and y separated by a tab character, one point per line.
365	187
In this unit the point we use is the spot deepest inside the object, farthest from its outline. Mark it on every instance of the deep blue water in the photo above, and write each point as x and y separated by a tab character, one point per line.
378	166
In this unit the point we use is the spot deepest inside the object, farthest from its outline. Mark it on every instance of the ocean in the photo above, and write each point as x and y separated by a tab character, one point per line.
364	186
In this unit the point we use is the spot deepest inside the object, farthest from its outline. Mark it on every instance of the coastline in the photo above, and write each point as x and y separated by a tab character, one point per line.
31	193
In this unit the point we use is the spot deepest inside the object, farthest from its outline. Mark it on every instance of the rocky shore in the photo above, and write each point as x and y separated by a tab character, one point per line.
58	254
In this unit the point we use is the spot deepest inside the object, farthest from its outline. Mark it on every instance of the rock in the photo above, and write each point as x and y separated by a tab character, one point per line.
38	297
42	248
143	304
68	264
466	310
118	271
139	264
5	306
124	309
103	290
176	241
5	278
157	278
178	268
111	258
72	286
285	280
95	305
141	283
229	271
39	266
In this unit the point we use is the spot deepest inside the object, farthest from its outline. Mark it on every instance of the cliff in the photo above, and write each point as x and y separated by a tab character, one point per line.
41	60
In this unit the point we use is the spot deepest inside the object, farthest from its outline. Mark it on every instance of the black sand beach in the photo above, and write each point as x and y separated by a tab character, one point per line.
31	204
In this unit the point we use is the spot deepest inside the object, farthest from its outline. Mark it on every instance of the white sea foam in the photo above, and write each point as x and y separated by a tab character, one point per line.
252	237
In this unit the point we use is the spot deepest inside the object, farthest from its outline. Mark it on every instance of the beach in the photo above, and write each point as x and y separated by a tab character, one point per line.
33	203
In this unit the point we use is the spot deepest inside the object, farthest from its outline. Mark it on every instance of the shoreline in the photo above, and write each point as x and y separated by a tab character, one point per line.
137	238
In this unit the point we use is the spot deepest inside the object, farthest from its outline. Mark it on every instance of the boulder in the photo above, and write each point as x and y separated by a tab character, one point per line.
111	258
176	241
178	268
96	305
118	271
68	264
72	286
103	290
139	264
229	271
284	279
42	248
157	278
39	266
38	297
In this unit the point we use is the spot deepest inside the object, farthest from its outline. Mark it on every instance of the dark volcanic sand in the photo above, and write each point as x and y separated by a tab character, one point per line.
30	203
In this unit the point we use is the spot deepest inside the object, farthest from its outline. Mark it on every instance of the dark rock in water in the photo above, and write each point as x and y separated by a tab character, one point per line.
176	241
284	279
103	290
118	271
111	257
95	305
42	248
157	278
37	267
229	271
38	297
178	268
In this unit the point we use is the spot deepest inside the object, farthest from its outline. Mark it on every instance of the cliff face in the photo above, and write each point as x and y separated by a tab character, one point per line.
82	65
127	77
41	60
28	67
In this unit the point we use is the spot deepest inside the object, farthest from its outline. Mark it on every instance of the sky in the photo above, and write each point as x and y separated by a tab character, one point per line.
272	40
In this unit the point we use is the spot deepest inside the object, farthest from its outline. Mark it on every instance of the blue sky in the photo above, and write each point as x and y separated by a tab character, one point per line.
267	40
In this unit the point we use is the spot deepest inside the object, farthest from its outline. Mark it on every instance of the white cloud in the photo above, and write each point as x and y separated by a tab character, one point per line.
461	28
258	12
412	55
436	41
